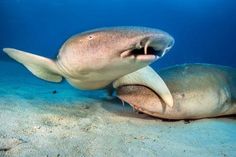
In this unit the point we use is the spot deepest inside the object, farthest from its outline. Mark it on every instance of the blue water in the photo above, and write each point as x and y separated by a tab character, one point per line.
204	30
72	122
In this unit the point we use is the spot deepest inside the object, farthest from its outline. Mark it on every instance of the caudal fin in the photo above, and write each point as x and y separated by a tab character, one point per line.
41	67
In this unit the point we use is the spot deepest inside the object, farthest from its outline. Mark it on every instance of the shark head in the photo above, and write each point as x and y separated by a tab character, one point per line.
109	53
142	99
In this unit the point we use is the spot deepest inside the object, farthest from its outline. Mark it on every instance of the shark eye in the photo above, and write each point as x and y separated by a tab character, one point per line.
90	37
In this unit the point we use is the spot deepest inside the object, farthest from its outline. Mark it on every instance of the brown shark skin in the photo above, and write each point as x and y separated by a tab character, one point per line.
198	90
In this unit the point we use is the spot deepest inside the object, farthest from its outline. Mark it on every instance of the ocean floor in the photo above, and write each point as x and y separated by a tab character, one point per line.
41	119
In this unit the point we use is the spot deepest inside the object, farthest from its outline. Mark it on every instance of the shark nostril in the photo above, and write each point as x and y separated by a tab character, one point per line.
139	45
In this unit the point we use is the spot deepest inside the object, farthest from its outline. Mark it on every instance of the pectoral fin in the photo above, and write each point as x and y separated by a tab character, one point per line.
41	67
149	78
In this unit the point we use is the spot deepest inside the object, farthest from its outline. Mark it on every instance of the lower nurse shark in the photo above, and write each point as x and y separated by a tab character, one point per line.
94	59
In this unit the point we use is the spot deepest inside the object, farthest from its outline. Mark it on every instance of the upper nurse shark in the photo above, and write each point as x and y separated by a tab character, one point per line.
94	59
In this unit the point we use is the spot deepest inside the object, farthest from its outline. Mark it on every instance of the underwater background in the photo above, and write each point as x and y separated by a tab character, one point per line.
204	30
39	118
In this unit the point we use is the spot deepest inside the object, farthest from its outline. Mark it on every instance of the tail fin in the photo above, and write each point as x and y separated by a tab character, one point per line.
41	67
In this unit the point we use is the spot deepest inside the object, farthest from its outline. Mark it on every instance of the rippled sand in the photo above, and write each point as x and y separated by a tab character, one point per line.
40	119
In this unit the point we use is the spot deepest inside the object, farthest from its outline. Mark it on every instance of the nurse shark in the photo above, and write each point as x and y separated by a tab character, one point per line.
198	90
94	59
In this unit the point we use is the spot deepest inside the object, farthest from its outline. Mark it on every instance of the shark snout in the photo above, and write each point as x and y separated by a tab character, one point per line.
160	43
150	47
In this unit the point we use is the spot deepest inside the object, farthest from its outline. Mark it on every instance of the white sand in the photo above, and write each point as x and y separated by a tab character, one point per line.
35	122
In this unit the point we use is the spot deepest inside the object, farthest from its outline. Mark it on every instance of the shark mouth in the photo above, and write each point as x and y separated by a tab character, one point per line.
143	54
147	52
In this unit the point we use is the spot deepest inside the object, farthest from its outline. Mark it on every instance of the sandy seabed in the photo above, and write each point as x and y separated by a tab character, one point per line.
41	119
